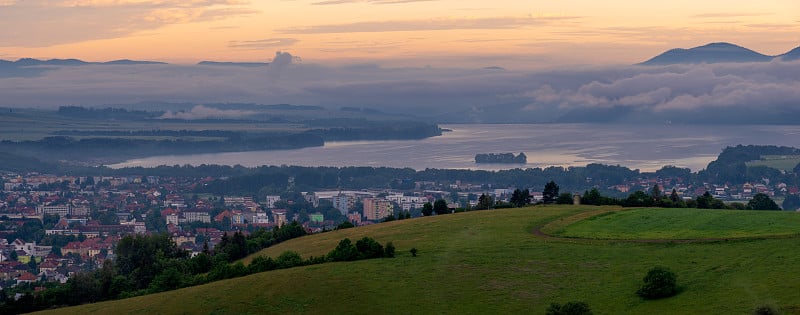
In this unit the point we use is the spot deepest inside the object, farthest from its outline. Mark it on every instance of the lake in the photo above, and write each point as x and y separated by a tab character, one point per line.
644	147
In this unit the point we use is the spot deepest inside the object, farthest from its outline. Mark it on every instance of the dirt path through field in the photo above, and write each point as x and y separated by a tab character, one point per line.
542	232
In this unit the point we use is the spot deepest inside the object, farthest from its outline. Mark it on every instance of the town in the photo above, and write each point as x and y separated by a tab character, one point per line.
54	226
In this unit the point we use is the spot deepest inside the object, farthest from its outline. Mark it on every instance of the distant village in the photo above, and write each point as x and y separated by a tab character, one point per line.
55	226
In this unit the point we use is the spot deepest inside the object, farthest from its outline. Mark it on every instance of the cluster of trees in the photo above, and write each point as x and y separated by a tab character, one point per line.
153	263
439	207
342	129
501	158
106	113
365	248
731	165
401	215
655	198
239	246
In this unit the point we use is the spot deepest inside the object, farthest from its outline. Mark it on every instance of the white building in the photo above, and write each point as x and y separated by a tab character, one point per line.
61	210
271	200
196	216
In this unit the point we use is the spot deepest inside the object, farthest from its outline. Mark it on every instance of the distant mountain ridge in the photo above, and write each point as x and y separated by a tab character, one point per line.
29	62
717	53
792	55
235	64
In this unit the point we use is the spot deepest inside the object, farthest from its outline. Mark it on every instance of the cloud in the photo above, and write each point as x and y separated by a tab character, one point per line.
329	2
736	93
263	43
203	112
728	15
773	26
31	23
426	25
740	92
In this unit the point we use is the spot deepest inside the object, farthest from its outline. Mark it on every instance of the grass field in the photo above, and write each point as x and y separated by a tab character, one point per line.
684	224
491	262
781	162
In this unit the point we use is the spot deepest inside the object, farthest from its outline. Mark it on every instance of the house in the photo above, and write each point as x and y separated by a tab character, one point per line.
27	277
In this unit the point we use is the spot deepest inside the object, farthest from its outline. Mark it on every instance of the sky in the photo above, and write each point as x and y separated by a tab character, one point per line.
450	61
416	33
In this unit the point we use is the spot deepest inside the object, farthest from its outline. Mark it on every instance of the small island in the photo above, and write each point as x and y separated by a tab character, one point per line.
505	158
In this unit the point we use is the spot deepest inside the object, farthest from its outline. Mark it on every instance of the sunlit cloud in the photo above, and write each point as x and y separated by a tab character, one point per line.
32	23
269	43
428	25
328	2
728	15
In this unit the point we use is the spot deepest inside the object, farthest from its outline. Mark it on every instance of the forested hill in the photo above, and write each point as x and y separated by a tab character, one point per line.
92	136
732	164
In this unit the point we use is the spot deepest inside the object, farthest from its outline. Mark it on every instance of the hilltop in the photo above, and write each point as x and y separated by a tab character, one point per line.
716	53
491	262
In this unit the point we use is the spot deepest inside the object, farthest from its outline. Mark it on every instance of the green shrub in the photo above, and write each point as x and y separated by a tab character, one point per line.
389	251
765	310
659	283
569	308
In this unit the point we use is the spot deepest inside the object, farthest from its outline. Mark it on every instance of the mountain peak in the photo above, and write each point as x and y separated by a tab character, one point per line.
709	53
792	55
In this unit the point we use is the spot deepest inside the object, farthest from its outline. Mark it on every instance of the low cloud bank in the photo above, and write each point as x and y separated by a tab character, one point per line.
718	93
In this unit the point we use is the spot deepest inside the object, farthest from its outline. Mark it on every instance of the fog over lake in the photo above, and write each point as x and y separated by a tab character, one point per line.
644	147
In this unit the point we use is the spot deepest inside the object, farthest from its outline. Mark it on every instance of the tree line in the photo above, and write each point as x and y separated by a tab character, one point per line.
146	264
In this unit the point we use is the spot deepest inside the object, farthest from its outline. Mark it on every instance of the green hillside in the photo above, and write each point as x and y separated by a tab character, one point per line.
492	262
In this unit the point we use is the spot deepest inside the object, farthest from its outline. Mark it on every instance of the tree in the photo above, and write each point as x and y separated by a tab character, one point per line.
520	198
155	222
677	201
762	201
707	201
427	209
369	248
485	202
413	251
638	199
656	192
345	225
659	282
591	197
791	203
389	251
550	192
440	207
565	199
569	308
345	251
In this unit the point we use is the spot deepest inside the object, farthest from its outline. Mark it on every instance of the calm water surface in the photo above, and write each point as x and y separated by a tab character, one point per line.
644	147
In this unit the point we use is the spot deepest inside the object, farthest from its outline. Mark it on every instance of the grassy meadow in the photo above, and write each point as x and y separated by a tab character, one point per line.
673	224
781	162
491	262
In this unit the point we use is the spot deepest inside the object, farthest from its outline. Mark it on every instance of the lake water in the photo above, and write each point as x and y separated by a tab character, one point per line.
644	147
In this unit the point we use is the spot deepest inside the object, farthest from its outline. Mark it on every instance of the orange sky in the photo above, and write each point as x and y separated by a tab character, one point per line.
521	34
